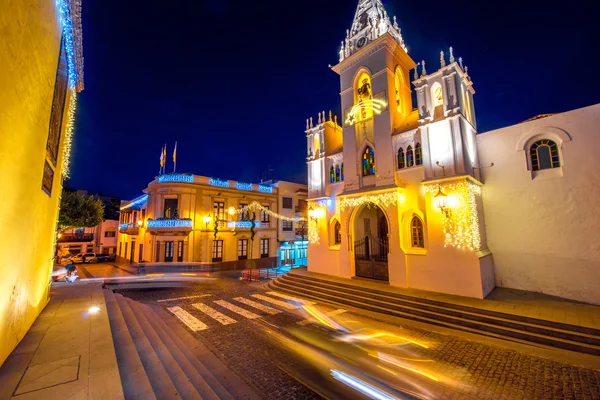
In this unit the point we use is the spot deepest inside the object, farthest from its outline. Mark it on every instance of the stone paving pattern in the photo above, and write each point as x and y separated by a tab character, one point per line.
483	371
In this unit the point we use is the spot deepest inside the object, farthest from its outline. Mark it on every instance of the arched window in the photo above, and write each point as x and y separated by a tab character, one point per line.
342	171
331	175
418	154
410	160
337	173
399	86
400	158
437	99
416	232
368	162
317	144
544	155
337	233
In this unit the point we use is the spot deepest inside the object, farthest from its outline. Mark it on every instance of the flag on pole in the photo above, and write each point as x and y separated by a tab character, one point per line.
162	159
175	153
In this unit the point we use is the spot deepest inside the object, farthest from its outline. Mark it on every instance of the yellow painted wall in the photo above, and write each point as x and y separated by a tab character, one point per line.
29	50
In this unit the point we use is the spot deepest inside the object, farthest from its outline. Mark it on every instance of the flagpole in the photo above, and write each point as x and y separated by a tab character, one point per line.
175	158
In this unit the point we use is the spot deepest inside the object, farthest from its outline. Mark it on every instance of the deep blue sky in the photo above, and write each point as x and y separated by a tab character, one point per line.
234	81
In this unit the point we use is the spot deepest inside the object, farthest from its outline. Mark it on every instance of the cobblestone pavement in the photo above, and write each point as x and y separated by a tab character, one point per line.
470	370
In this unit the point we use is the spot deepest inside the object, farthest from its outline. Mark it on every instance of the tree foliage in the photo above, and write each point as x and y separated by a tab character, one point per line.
78	211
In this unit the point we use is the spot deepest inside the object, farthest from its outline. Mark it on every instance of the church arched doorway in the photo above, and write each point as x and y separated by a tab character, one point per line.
371	243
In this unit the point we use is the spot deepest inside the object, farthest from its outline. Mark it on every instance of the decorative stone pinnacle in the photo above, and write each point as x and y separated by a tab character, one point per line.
306	123
311	124
460	62
319	118
323	116
423	71
329	115
396	27
335	119
442	61
466	70
451	55
417	72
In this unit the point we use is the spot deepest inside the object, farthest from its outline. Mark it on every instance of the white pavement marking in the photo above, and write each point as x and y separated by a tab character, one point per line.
258	306
182	298
192	322
236	309
214	314
285	296
330	314
277	302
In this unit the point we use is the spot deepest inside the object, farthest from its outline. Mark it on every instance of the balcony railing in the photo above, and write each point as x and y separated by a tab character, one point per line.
129	229
76	237
175	226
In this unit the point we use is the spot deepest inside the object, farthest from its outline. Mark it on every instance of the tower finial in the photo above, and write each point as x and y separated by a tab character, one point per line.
311	124
342	52
319	118
306	123
323	116
442	60
396	27
460	62
423	71
466	70
335	119
451	55
329	115
416	71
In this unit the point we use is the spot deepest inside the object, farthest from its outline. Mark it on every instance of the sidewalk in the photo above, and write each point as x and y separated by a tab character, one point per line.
68	353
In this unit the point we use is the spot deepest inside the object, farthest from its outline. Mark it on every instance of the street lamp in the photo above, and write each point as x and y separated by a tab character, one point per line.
207	220
441	201
140	223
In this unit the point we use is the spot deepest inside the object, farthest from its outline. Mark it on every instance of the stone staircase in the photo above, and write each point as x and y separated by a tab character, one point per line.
159	359
454	316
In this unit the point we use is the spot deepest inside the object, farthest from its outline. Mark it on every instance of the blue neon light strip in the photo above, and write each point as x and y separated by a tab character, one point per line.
170	223
243	186
242	224
187	178
65	19
136	203
123	226
218	182
265	189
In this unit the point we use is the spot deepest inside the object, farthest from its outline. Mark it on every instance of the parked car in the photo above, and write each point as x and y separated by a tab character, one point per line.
105	257
84	258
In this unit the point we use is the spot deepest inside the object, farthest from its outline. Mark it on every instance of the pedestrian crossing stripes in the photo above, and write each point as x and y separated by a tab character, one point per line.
276	302
182	298
258	306
188	319
285	296
214	314
237	310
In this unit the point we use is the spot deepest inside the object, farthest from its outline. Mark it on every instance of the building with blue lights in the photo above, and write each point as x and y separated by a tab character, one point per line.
191	218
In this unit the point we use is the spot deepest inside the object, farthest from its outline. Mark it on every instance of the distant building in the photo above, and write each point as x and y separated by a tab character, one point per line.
188	218
41	70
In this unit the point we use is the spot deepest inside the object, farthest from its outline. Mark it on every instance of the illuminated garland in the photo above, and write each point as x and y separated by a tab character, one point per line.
66	160
321	203
384	200
313	232
254	206
461	226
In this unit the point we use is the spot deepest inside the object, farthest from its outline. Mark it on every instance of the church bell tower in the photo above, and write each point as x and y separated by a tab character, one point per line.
375	94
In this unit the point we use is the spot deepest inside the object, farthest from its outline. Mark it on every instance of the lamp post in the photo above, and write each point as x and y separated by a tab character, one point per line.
441	202
207	220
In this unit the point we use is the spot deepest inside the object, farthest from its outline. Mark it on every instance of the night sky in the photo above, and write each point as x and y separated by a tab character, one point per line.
234	81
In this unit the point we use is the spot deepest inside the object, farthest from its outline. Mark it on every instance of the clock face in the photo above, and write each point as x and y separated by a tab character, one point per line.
361	42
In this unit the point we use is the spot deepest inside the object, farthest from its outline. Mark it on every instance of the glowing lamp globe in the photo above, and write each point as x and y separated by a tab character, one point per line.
140	223
441	200
207	219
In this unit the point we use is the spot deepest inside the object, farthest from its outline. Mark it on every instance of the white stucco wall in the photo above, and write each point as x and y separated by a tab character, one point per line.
543	231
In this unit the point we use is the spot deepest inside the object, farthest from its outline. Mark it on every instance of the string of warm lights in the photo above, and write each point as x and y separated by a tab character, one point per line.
384	200
254	206
66	160
461	224
313	232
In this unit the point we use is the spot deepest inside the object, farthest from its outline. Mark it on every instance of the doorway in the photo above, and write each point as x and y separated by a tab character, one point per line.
168	251
371	244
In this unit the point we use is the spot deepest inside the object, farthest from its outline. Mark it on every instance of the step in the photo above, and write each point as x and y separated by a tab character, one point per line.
159	378
472	315
220	378
434	318
460	307
184	386
133	375
180	352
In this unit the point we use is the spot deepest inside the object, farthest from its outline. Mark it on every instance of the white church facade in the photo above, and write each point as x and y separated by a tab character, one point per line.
416	197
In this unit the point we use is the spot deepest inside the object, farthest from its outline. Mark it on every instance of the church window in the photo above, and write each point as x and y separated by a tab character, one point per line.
544	155
337	232
337	173
363	95
342	171
331	175
368	162
416	230
437	100
317	145
418	154
401	158
399	86
410	160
